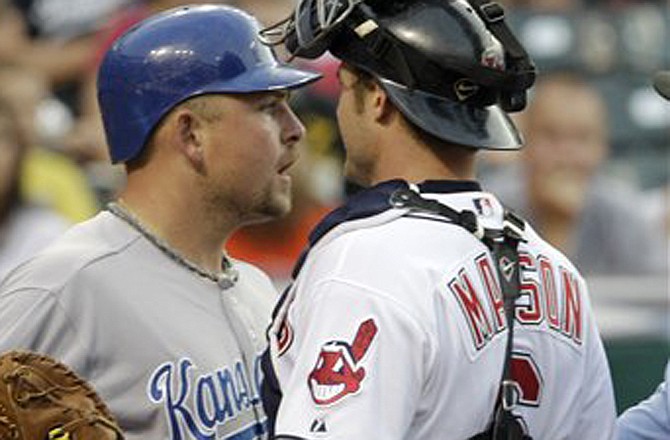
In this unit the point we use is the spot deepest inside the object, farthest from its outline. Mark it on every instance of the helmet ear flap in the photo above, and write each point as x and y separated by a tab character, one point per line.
513	102
519	65
514	99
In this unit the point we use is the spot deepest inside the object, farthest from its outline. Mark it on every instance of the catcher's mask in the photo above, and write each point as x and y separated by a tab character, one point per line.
176	55
453	67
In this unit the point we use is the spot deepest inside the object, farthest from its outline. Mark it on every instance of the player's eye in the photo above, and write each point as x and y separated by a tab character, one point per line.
275	101
270	105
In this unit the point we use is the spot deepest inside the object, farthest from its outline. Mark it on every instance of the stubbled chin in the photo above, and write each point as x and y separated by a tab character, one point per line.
281	203
275	210
285	179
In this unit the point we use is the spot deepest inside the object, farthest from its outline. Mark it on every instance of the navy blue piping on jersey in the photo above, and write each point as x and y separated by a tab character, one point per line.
448	186
366	203
373	201
251	432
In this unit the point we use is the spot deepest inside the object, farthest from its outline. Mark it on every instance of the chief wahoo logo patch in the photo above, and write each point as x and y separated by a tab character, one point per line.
338	371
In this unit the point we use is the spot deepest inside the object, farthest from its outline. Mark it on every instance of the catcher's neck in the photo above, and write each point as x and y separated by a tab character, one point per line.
401	154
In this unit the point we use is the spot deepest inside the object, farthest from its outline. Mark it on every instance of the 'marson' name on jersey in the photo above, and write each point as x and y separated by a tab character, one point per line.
550	296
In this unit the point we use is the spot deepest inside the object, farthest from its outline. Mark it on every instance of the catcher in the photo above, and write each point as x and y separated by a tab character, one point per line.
42	399
422	292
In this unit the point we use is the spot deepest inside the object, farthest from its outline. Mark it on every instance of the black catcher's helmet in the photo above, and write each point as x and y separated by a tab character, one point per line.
452	67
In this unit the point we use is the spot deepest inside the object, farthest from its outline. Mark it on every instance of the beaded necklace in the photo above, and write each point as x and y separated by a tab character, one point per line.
225	279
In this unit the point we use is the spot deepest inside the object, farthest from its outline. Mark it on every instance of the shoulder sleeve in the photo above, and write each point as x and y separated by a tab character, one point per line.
356	363
598	410
32	319
650	418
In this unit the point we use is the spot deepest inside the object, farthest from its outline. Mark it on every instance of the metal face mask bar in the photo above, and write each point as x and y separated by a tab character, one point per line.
306	33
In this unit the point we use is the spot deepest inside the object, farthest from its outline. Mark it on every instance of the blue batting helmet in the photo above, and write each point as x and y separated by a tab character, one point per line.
176	55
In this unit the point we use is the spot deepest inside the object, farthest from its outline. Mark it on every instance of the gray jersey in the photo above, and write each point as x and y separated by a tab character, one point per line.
173	354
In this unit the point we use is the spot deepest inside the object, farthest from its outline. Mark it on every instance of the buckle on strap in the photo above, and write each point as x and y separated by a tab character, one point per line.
492	12
513	226
407	198
513	231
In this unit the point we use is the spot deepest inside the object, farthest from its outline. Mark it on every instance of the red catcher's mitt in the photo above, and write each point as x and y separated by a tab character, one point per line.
42	399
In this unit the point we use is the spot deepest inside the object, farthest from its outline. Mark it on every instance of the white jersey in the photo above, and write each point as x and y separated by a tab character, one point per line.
174	355
395	329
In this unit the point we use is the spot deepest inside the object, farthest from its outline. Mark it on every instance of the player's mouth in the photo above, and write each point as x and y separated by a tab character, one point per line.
325	393
285	167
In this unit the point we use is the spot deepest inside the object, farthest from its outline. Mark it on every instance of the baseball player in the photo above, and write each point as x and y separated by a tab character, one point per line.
139	300
398	324
650	419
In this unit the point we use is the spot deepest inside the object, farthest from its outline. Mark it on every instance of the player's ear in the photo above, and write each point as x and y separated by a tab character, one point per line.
190	137
382	107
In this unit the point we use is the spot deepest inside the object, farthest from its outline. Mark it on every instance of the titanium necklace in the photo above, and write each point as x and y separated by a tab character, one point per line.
226	279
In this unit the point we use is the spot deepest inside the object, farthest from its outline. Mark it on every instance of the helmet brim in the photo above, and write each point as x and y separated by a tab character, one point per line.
487	128
264	79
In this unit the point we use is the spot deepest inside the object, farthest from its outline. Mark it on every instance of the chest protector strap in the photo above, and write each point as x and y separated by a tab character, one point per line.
503	244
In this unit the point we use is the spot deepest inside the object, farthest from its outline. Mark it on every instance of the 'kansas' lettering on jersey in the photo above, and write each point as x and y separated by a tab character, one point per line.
200	404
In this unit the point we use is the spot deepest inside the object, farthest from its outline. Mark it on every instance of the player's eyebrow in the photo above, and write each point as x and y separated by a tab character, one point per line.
281	94
274	95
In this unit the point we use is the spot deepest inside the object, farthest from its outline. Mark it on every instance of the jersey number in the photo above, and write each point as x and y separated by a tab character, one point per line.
527	379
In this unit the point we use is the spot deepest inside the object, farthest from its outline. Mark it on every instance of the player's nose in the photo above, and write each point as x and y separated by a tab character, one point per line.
293	129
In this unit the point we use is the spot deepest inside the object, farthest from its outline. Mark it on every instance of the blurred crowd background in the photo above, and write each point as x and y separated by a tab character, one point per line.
593	178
